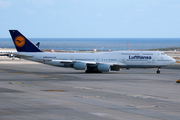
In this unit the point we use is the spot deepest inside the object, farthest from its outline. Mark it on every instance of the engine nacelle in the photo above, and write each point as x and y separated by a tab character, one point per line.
103	68
80	66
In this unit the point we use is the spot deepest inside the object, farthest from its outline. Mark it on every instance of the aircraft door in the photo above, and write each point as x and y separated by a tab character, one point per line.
153	60
71	58
97	59
123	60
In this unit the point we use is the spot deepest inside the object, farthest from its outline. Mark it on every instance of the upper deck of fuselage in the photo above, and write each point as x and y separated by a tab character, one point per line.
97	53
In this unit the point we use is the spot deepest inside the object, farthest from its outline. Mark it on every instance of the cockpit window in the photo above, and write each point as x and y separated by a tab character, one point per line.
162	53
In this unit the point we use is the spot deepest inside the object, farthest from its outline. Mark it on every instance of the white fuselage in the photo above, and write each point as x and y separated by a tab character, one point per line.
124	59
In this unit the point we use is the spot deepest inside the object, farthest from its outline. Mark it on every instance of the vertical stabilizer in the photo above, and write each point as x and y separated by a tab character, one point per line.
21	43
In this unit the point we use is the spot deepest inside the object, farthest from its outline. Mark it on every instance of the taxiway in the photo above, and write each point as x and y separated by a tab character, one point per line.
33	91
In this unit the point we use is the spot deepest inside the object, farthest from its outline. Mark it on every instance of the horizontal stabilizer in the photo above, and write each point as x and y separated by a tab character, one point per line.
21	55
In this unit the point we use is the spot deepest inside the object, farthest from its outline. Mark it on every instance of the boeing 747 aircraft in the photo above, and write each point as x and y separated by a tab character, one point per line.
91	62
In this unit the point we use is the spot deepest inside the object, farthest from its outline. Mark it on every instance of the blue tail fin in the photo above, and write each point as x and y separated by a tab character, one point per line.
22	43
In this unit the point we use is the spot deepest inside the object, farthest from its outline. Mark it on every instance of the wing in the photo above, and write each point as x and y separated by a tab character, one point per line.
78	65
85	65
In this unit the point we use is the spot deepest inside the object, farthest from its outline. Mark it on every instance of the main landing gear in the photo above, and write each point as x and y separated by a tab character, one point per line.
92	70
158	71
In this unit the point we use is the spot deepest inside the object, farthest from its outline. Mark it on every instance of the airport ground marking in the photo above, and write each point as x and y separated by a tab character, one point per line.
16	82
54	90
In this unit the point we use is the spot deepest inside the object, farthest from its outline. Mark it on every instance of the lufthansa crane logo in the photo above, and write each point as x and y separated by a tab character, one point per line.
19	41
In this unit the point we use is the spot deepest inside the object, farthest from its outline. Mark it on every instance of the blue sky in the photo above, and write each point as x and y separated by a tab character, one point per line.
91	18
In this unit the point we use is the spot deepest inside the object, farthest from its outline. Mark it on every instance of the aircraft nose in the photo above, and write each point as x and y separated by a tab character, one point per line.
173	60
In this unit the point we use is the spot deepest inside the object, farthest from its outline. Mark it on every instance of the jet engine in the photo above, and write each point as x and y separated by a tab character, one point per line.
80	66
103	68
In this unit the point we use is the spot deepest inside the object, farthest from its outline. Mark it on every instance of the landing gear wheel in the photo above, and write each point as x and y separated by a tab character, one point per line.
87	71
158	72
91	71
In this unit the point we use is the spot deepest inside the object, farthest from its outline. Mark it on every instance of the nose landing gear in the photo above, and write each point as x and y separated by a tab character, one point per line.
158	71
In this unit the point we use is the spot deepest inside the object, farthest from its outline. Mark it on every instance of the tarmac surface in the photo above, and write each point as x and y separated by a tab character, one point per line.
34	91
